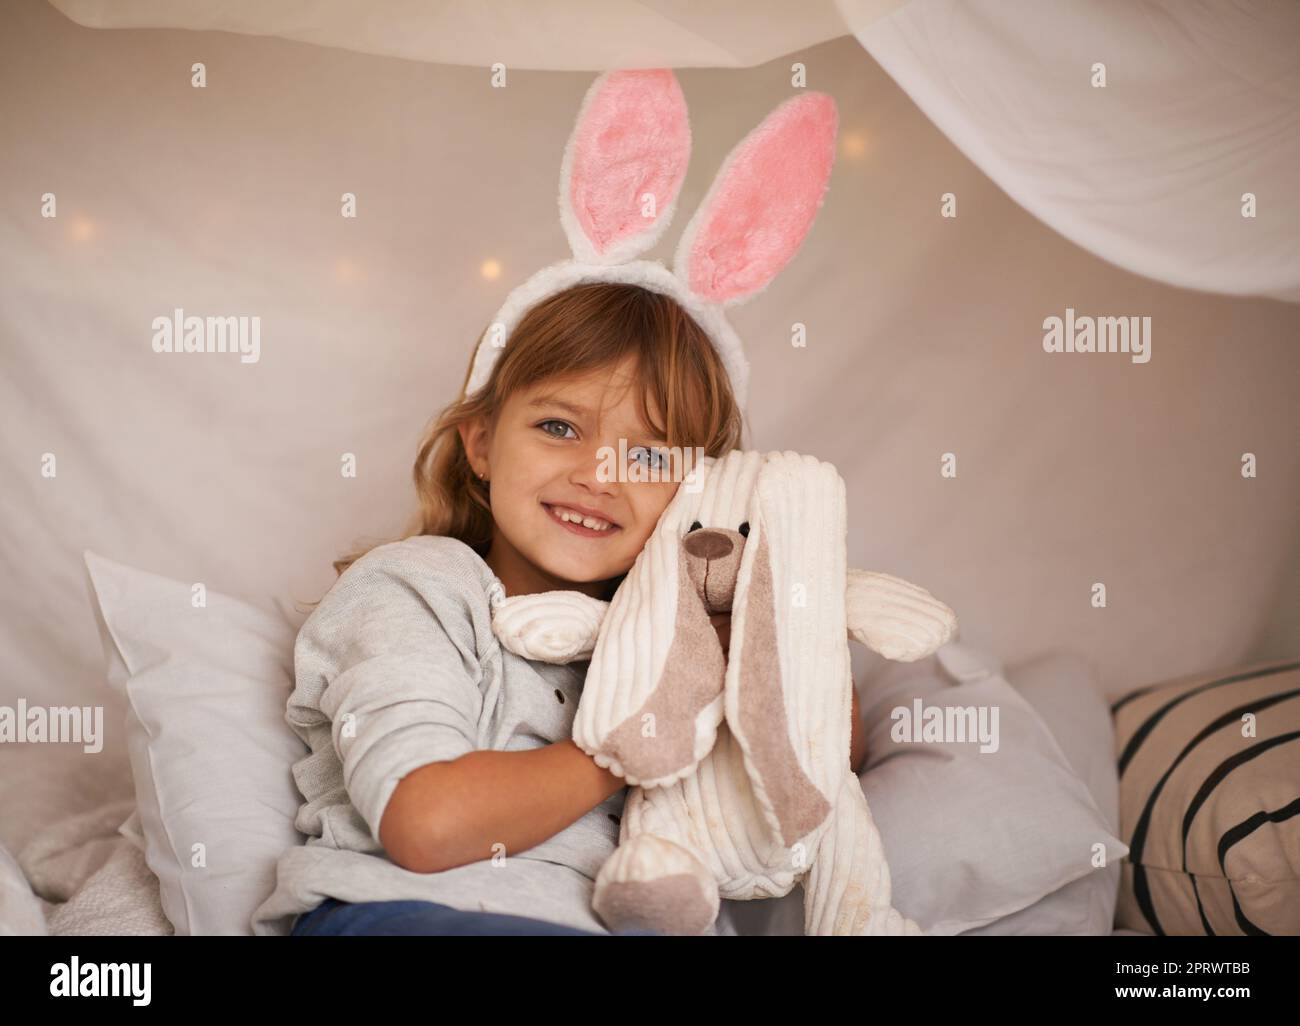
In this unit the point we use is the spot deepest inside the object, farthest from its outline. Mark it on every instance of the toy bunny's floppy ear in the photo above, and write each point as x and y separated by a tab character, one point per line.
761	204
624	165
787	697
652	699
900	620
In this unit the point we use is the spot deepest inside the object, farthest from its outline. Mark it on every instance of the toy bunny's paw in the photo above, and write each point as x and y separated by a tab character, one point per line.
651	883
553	626
900	620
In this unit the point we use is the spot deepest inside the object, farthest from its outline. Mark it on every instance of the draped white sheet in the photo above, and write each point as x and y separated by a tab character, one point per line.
1201	105
537	35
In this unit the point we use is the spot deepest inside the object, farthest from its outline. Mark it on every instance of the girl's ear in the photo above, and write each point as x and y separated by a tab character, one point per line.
473	438
624	165
761	204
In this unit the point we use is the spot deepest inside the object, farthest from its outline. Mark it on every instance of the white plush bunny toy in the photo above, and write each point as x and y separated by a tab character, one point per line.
742	785
739	770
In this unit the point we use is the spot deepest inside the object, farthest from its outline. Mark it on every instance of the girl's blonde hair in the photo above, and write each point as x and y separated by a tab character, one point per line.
584	328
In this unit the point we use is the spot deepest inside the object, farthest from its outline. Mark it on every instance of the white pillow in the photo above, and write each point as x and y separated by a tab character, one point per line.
21	913
974	836
211	754
1064	691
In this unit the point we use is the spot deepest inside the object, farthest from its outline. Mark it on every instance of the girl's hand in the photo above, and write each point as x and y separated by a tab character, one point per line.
722	624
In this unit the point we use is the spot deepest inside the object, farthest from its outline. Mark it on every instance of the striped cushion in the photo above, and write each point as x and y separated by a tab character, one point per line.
1211	817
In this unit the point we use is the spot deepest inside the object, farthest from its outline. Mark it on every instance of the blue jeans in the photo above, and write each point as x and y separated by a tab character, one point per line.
334	918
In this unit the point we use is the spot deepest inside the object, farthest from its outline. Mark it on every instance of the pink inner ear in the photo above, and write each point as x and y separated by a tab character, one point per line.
634	139
765	204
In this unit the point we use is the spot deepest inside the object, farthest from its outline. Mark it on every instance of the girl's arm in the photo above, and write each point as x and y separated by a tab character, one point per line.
389	662
454	812
451	813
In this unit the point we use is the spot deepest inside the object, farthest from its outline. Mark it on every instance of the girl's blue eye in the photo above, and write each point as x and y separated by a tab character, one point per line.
543	424
658	457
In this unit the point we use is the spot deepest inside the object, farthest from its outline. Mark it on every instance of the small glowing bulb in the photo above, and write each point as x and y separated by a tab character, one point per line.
346	271
83	230
854	144
490	269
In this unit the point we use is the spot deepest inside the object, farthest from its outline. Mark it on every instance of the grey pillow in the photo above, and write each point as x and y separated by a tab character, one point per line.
998	842
1062	687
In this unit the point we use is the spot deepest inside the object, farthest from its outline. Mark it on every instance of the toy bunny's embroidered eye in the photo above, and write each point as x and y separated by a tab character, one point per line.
744	528
694	527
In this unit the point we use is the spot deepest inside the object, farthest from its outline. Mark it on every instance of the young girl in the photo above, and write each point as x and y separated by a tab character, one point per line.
443	792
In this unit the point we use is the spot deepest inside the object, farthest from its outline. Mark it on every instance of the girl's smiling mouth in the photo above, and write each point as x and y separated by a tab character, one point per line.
578	523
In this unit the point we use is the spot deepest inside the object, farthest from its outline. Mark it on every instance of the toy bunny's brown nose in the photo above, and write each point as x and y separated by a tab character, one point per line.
708	544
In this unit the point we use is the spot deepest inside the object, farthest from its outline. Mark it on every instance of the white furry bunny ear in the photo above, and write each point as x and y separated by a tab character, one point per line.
762	203
624	165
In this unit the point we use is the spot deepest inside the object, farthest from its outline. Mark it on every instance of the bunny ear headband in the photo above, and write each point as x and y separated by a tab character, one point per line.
622	169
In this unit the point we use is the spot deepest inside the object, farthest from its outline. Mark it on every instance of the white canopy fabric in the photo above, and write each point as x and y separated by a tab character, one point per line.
1201	103
554	35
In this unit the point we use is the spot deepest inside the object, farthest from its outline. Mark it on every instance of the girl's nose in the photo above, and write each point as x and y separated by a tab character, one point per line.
594	470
